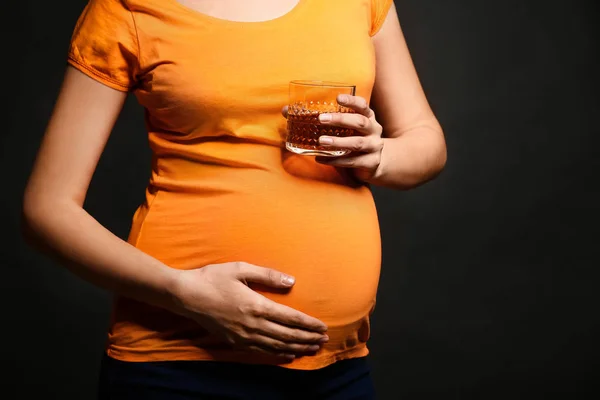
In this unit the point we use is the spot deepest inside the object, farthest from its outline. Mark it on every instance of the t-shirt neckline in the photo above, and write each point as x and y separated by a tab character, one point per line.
216	20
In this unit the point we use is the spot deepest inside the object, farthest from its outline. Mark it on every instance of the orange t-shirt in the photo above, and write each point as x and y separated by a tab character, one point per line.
223	188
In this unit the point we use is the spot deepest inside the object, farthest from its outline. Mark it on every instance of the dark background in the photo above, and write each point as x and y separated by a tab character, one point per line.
489	277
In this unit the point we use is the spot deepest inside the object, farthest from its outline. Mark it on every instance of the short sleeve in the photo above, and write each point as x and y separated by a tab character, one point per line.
104	44
379	11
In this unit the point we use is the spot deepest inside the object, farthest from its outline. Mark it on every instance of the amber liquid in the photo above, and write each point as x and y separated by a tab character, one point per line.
304	130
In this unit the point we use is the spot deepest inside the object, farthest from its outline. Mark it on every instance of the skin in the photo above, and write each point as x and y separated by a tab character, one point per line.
409	151
401	147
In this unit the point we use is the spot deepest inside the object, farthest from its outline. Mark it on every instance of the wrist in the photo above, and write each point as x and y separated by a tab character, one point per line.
373	176
182	290
171	288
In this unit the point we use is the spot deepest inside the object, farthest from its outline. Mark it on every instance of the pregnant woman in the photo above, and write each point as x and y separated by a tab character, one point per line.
250	272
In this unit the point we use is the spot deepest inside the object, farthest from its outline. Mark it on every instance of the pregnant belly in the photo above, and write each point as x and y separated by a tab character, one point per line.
325	235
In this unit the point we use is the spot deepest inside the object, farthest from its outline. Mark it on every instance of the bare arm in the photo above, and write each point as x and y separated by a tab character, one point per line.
414	148
216	296
53	214
402	146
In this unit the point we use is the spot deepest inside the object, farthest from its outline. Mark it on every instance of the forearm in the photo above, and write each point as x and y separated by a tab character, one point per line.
411	158
68	233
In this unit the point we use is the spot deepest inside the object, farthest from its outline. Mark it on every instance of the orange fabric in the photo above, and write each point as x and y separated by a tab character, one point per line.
379	11
223	188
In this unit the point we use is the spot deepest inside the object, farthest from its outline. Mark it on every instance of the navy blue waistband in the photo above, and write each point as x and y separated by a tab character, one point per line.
186	380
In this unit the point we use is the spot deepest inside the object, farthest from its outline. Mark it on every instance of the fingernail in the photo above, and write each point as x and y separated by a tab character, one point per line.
314	348
325	140
287	280
325	117
324	339
343	98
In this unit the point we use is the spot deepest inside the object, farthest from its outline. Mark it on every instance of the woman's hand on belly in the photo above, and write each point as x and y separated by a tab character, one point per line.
218	298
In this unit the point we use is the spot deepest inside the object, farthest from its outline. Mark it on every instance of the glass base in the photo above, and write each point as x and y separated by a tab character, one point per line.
315	152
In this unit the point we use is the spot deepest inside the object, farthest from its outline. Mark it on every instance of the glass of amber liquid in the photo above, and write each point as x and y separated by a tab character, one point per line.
308	100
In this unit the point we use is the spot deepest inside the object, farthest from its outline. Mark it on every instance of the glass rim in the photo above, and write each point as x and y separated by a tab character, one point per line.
315	83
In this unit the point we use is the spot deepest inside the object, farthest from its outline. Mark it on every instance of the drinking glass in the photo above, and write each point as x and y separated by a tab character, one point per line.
308	100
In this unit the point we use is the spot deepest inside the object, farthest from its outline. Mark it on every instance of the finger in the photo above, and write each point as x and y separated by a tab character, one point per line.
357	103
273	353
279	347
286	315
289	334
364	144
368	161
264	276
284	111
358	122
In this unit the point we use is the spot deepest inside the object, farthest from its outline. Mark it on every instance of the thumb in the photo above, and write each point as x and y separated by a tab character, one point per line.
265	276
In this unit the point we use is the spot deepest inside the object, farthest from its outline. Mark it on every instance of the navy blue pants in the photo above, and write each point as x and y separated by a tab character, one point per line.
187	380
